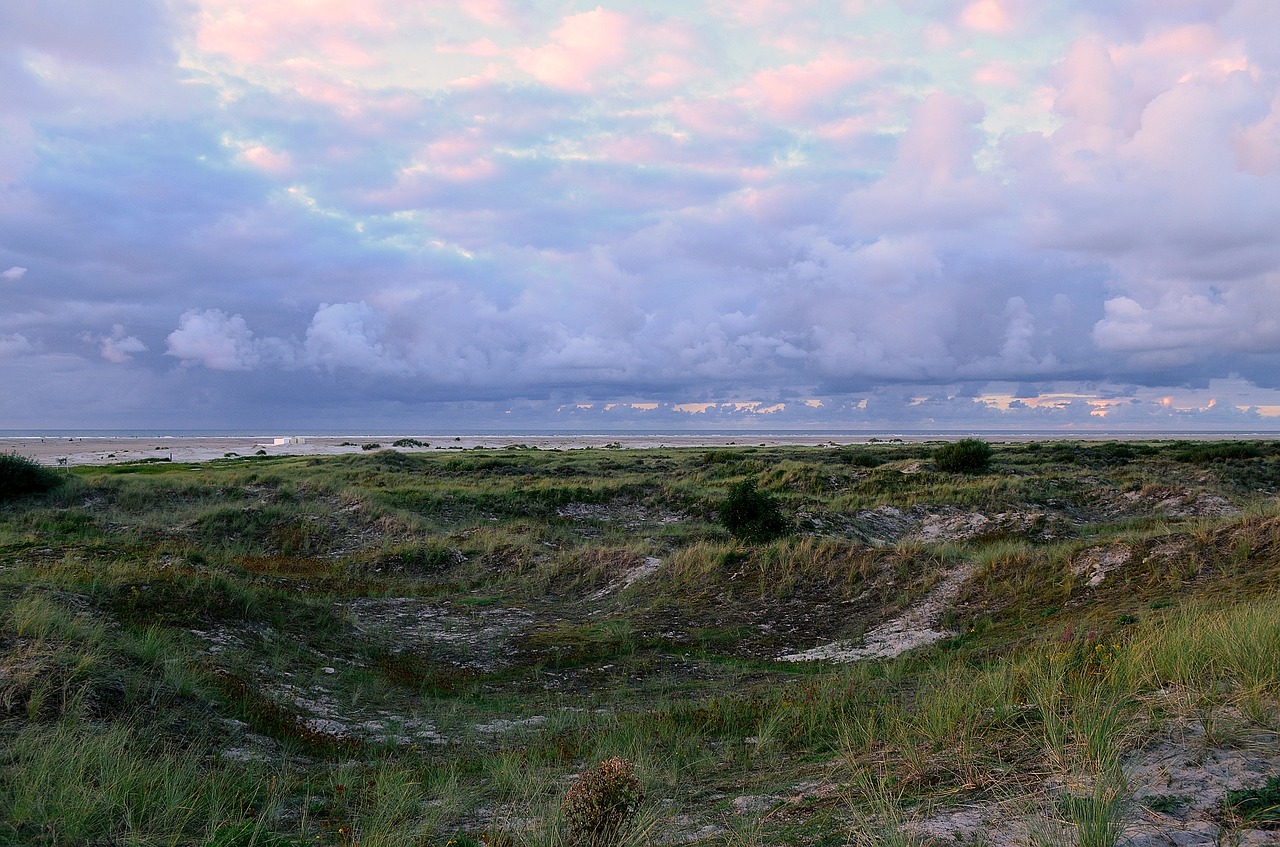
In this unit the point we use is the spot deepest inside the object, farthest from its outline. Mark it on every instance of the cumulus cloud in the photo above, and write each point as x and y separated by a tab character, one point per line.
119	346
13	274
349	335
220	342
14	345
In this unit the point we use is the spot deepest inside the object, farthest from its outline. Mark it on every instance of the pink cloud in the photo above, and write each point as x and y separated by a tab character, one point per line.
790	92
674	49
459	158
937	37
848	128
488	12
264	158
941	140
312	81
934	179
669	71
1150	98
490	74
998	74
713	117
987	16
1257	145
256	33
584	45
1177	55
483	47
1181	100
760	12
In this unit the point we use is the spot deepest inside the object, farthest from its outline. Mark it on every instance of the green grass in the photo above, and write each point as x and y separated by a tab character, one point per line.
397	648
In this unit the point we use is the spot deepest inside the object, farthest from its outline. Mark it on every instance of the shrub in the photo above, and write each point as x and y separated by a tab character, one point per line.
751	514
968	455
20	477
600	805
859	458
1206	454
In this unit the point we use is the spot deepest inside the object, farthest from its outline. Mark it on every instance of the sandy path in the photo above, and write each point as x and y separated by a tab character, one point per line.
915	627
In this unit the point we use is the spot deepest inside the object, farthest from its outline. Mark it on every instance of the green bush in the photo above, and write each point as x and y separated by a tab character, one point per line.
859	458
21	477
751	514
1205	454
968	455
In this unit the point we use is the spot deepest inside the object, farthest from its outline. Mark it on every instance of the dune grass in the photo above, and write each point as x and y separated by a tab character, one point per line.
406	648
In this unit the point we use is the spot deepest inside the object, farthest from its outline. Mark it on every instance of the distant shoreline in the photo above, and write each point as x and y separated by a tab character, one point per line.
113	449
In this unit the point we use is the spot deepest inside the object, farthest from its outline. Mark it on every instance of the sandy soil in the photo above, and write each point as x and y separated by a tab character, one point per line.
104	451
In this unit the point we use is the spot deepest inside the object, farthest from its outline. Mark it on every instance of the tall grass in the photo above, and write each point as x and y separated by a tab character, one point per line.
111	784
1198	649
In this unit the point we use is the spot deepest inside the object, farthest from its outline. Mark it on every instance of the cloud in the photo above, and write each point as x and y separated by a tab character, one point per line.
119	347
13	345
746	200
288	29
584	45
349	335
792	92
1183	327
987	16
212	339
84	32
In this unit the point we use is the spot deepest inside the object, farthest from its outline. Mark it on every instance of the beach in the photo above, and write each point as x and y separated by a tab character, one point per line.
106	450
103	450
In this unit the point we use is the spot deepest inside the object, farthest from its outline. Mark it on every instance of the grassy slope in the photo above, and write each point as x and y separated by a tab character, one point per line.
399	647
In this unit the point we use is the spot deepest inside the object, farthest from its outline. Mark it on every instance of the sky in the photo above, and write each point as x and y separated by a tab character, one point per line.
327	215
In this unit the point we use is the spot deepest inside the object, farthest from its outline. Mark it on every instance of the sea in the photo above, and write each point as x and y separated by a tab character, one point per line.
675	434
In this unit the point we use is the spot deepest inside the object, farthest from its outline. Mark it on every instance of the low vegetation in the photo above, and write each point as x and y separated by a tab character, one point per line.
21	477
751	514
532	647
968	455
